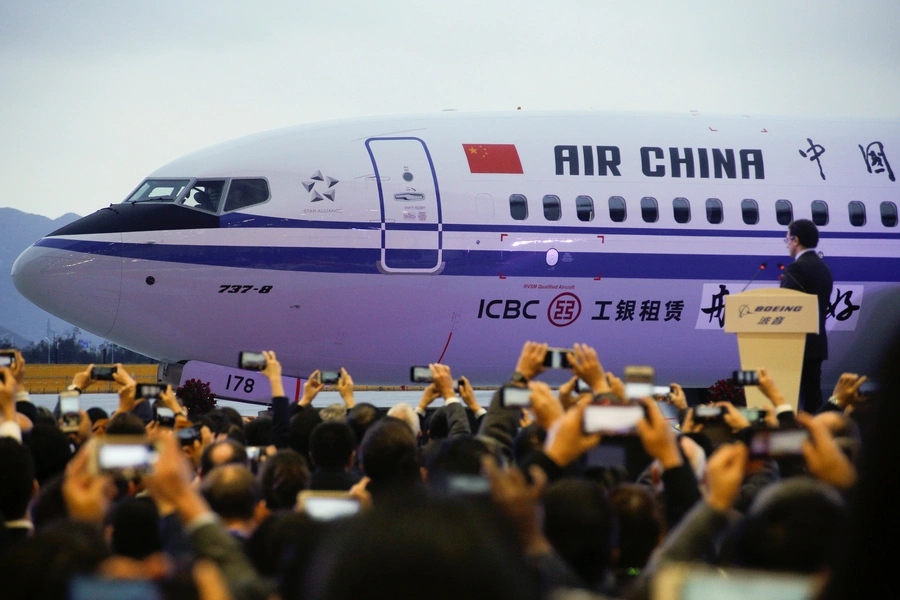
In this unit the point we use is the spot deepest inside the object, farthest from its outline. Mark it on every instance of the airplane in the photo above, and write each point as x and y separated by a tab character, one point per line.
379	243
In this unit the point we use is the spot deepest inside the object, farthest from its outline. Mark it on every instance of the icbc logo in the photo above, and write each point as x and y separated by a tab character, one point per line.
564	309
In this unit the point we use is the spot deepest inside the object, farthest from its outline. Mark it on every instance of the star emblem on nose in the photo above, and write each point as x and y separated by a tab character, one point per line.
320	187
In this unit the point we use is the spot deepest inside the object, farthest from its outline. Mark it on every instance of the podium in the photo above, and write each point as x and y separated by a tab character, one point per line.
771	326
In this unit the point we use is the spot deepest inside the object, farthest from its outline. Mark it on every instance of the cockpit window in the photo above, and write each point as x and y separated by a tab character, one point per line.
205	195
246	192
159	190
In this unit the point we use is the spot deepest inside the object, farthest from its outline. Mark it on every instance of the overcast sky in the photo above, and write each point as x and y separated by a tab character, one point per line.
95	95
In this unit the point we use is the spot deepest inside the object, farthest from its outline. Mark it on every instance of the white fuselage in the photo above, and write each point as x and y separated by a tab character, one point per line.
382	245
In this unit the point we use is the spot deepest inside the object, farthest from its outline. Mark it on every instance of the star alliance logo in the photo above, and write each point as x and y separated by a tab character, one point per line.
327	184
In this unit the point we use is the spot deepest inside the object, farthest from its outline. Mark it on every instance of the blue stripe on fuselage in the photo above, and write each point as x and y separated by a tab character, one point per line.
486	263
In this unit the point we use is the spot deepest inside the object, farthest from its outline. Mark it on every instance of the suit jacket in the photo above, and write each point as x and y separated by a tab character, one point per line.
810	274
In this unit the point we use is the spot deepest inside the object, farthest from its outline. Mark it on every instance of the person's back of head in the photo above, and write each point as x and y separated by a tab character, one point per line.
805	231
257	431
135	528
578	523
302	425
460	455
223	452
284	475
792	525
393	551
641	524
361	417
388	454
334	412
17	479
125	424
96	413
44	415
331	446
528	440
51	450
437	426
282	547
408	415
232	492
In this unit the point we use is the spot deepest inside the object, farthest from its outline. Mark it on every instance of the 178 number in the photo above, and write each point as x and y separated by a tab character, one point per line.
239	381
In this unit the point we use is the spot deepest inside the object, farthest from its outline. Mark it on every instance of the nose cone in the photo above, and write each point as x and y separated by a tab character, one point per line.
74	280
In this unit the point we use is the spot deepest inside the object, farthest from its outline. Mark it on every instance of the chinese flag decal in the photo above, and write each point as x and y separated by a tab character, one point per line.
493	158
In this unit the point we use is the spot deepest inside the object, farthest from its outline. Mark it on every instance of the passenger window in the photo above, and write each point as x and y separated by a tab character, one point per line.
714	211
158	190
888	214
784	212
246	192
649	210
518	207
584	208
617	211
857	213
682	210
205	195
819	212
552	210
750	211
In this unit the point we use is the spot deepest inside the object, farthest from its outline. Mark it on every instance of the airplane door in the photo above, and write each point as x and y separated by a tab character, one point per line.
411	231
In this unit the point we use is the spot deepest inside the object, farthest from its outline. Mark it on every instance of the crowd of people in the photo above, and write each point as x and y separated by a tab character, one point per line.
447	499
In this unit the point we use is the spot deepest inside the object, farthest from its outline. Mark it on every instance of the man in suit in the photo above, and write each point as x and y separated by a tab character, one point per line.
809	274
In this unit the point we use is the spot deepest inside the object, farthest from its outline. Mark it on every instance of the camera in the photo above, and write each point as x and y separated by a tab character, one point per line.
329	377
515	397
69	411
769	443
754	415
616	419
165	416
557	358
745	378
708	414
420	375
103	373
252	361
639	382
662	390
149	391
7	359
124	455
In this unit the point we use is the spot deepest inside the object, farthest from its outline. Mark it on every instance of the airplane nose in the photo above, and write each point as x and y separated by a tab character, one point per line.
68	279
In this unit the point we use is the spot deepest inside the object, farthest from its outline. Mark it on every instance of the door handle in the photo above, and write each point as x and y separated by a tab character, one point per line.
409	196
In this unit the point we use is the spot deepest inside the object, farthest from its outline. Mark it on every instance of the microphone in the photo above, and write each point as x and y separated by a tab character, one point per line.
800	285
762	267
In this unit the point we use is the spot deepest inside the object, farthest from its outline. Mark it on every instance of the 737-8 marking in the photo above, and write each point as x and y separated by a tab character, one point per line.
243	289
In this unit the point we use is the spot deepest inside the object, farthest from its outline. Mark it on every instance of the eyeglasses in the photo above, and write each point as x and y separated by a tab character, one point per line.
788	239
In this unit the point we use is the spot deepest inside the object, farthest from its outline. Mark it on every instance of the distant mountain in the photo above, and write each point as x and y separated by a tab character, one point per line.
18	316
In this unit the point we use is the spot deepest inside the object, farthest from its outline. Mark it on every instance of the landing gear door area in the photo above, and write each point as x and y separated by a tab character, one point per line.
408	192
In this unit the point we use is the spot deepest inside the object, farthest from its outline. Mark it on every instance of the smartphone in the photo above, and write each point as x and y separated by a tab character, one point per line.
662	390
557	358
745	378
327	506
7	359
463	485
708	414
149	391
768	443
103	373
868	387
265	413
582	388
125	455
69	411
754	415
617	420
165	416
252	361
329	377
639	382
420	375
515	397
89	587
253	452
188	435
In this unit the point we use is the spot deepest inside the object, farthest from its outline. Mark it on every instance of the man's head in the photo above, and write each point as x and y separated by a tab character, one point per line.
641	524
125	424
283	477
331	446
232	492
222	453
334	412
802	234
51	450
388	454
361	417
407	414
792	526
17	479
